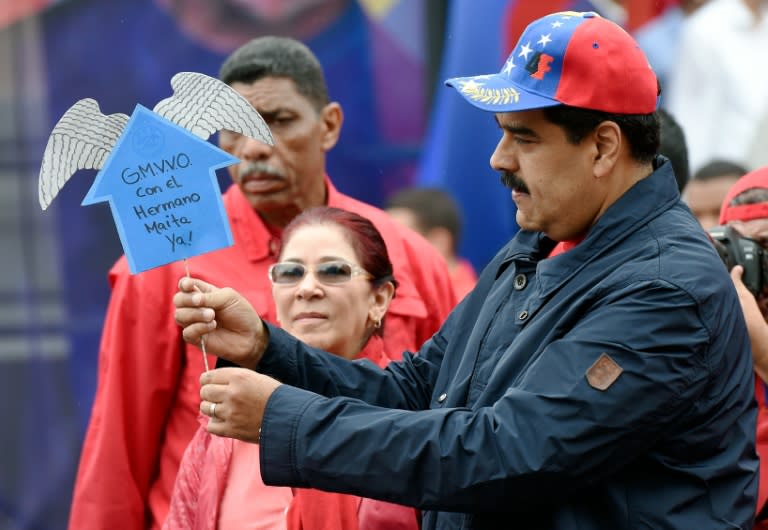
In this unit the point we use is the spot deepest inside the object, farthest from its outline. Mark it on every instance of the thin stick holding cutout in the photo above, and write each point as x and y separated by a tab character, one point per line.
202	339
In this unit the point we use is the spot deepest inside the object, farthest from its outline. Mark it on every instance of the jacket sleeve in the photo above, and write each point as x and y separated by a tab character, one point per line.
405	384
139	365
548	429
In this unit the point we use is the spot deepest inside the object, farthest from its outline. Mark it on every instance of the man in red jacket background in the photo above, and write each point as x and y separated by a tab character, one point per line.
745	209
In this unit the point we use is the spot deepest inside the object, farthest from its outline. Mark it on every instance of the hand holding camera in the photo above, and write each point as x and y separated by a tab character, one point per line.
735	249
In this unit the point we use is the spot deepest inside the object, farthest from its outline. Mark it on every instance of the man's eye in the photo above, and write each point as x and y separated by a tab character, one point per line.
281	120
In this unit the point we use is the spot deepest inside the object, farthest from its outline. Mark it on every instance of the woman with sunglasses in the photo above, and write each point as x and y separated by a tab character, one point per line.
332	286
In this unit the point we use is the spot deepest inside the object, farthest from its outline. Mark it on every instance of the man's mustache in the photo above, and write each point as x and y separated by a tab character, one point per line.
513	182
258	167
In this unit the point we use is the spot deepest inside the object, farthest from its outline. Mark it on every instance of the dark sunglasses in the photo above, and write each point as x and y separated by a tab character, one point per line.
330	272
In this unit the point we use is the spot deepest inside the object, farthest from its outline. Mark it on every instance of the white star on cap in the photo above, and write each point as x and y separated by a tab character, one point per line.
508	67
544	40
526	49
557	24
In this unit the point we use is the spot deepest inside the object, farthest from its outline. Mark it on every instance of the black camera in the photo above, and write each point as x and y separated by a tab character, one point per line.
735	249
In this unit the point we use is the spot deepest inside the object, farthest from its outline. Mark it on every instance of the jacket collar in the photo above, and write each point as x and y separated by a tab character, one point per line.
631	211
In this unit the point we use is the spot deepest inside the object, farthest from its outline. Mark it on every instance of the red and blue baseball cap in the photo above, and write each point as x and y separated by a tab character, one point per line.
570	58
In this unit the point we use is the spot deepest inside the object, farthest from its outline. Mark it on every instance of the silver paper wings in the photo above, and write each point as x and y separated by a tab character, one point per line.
84	137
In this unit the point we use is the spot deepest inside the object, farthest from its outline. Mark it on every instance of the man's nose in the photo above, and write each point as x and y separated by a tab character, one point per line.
254	150
504	157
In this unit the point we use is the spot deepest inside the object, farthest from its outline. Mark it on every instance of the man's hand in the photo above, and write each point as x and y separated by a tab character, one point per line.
756	325
235	399
231	327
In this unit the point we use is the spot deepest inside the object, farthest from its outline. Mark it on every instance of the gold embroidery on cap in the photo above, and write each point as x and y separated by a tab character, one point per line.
603	372
494	96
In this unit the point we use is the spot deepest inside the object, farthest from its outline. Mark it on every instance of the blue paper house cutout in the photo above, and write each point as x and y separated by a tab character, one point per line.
161	185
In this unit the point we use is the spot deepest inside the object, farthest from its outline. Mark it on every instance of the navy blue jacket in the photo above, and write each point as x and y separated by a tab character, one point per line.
495	422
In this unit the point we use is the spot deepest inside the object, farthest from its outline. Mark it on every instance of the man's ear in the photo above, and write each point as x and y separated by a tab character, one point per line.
332	117
608	143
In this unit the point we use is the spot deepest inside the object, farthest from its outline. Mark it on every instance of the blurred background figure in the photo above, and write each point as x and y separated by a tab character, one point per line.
435	214
718	84
659	37
673	146
705	192
758	152
744	209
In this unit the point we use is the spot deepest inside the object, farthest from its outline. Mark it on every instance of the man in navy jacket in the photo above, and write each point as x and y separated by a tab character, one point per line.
607	384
